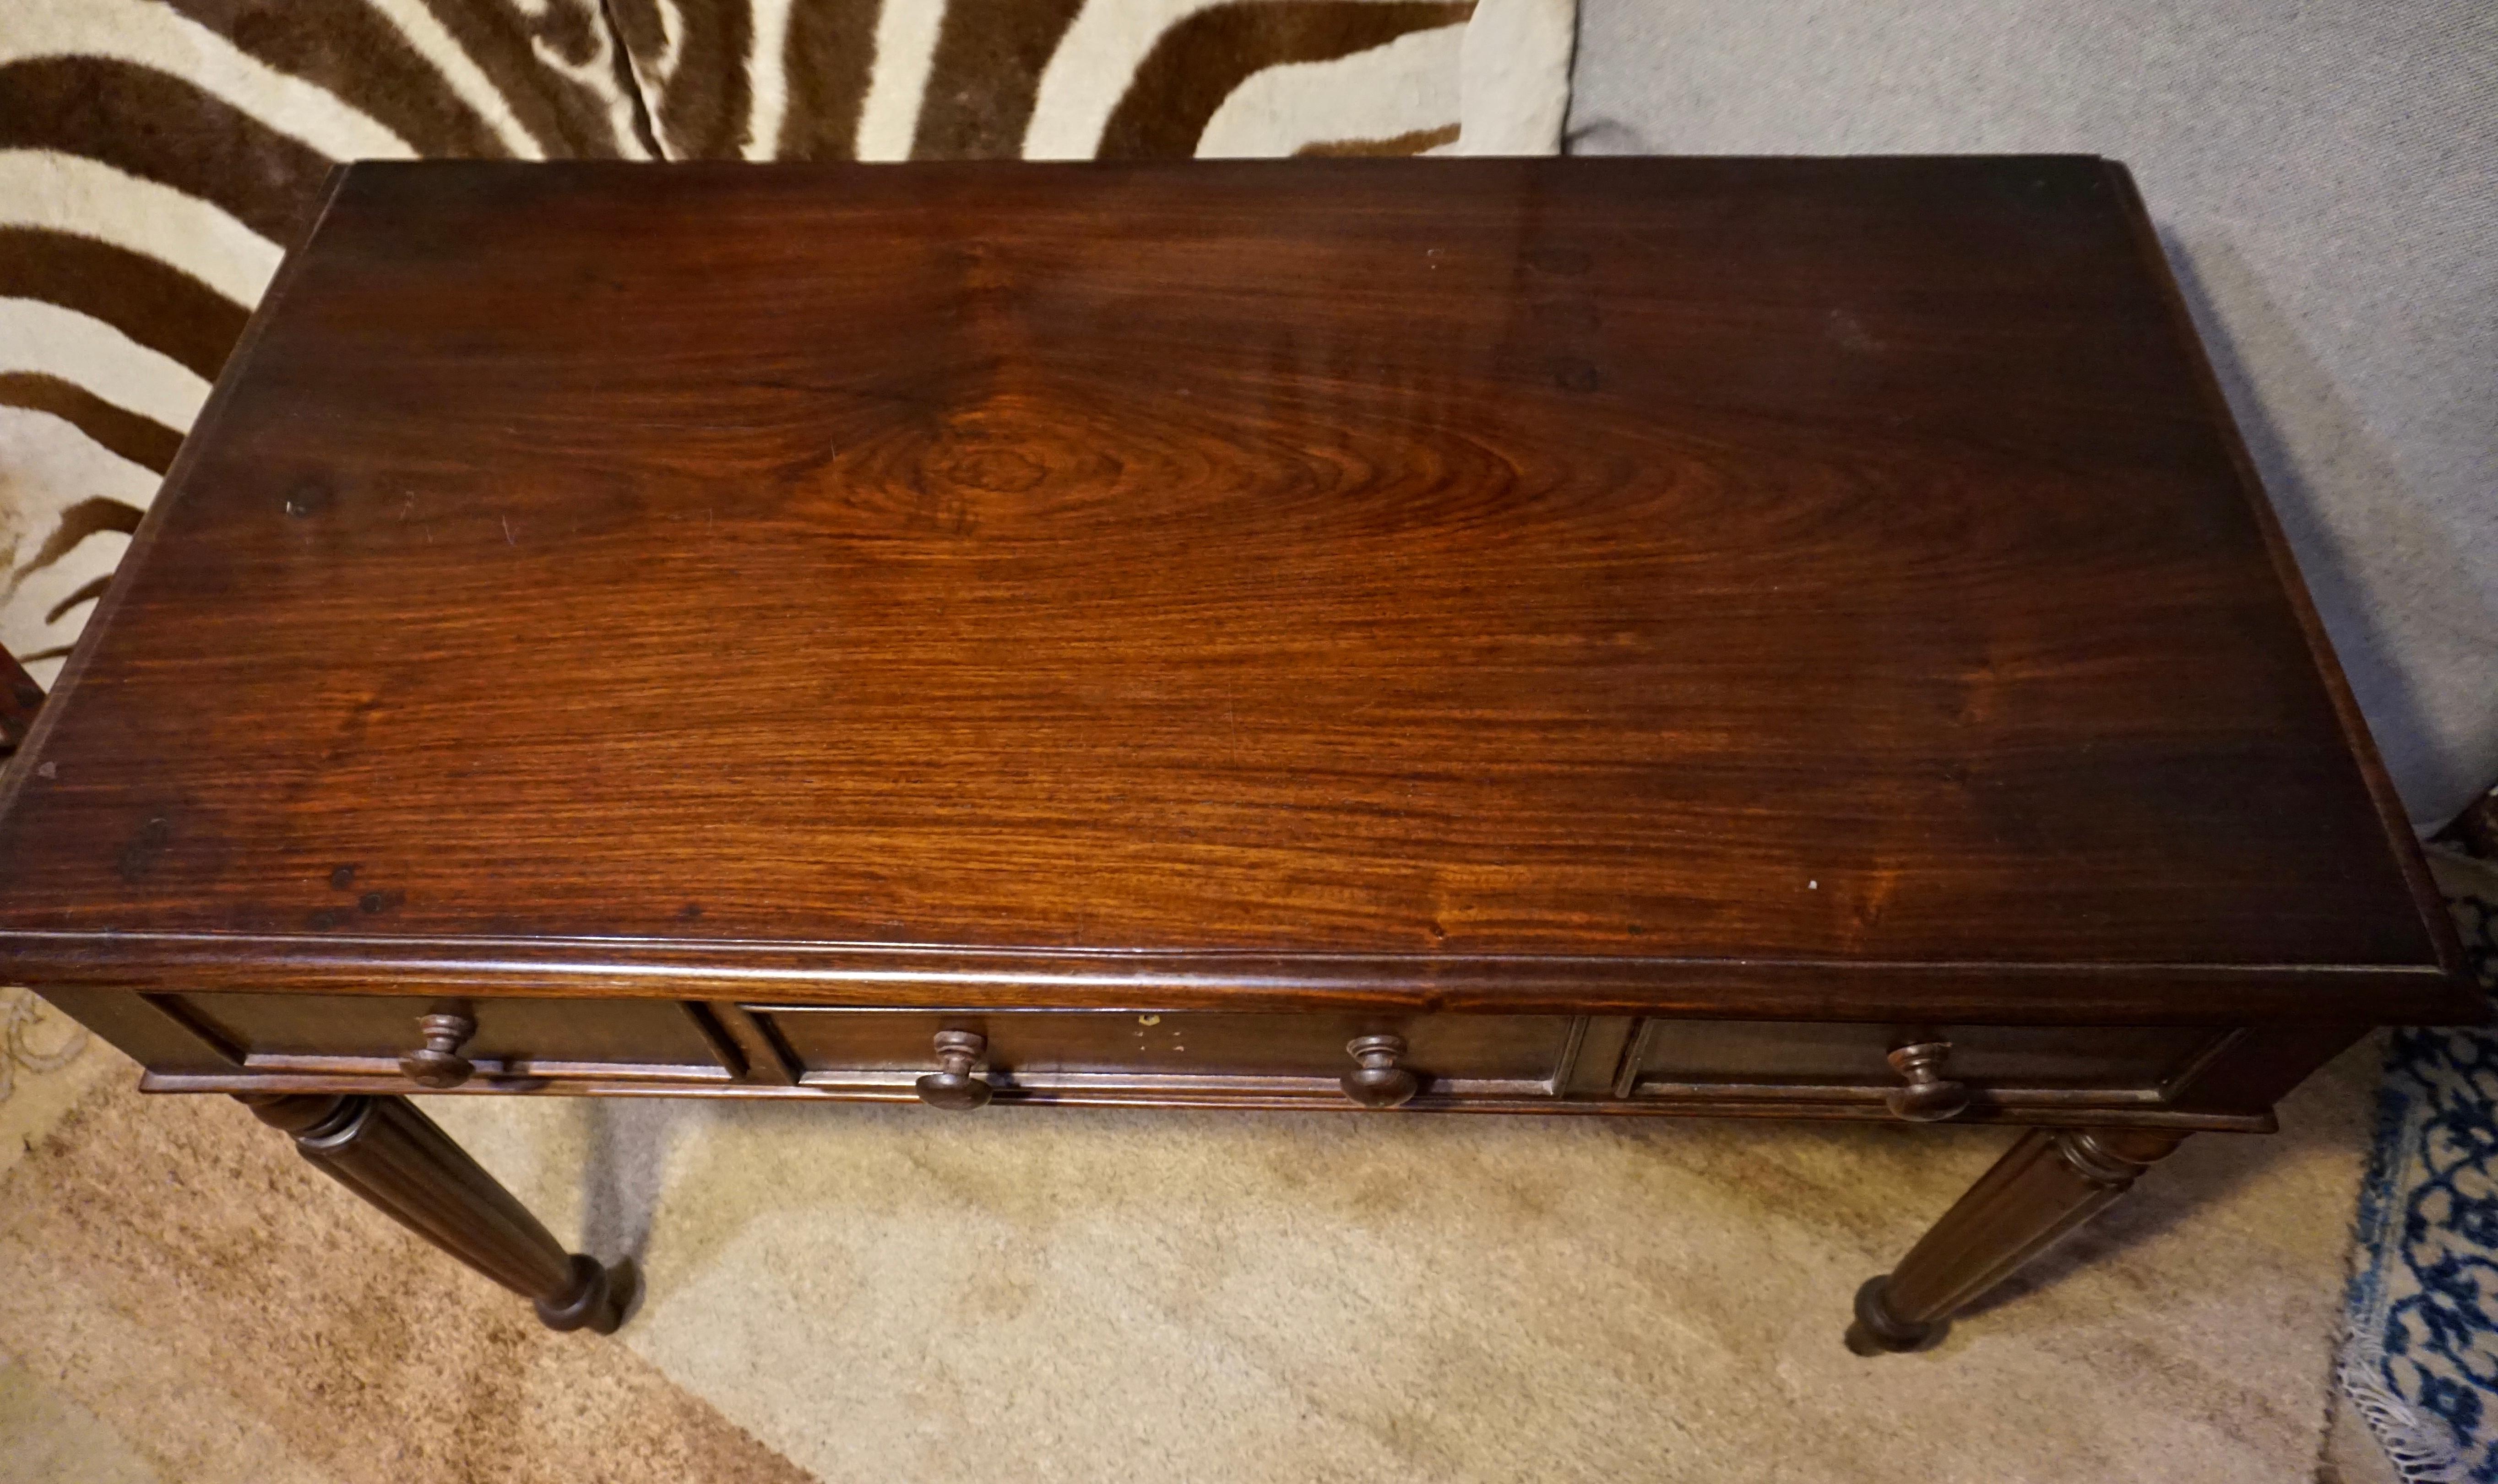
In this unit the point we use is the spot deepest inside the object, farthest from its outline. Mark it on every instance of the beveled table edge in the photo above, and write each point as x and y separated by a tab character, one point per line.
2387	802
898	974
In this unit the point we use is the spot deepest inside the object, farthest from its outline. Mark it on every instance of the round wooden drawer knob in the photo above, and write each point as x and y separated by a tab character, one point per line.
1380	1083
1927	1096
437	1063
952	1084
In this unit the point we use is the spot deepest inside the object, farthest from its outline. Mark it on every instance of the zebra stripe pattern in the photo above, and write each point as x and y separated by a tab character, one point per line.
155	155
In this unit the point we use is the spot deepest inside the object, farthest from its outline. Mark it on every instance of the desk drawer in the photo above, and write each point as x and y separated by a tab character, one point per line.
2006	1064
515	1039
1061	1054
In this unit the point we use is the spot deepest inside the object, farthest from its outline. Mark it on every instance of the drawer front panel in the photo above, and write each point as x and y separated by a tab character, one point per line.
1035	1050
359	1034
2128	1063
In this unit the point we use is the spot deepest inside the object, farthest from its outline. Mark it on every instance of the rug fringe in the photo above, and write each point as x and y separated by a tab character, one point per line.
2419	1444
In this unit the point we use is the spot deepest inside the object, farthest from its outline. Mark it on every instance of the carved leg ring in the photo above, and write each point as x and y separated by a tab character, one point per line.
2048	1184
392	1155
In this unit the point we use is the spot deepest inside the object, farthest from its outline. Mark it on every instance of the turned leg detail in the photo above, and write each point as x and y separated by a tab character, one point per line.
2049	1183
386	1151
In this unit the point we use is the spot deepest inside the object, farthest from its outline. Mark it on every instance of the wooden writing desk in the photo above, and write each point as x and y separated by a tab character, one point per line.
1765	638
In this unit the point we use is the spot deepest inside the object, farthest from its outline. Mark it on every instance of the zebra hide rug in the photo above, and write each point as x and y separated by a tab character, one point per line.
157	155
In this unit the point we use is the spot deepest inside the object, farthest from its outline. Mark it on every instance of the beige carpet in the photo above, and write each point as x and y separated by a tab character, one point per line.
881	1294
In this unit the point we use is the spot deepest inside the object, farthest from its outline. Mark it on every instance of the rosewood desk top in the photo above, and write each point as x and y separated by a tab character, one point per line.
1755	587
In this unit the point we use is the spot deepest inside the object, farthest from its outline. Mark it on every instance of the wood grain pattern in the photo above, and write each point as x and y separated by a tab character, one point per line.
1579	583
20	698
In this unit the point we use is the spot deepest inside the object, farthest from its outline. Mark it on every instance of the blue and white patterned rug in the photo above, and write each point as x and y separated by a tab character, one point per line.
2420	1361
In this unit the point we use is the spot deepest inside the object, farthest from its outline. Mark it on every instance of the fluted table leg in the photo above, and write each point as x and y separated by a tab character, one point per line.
2048	1184
398	1160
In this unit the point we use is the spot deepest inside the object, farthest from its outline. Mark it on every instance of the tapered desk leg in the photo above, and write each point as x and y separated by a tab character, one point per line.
392	1155
2048	1184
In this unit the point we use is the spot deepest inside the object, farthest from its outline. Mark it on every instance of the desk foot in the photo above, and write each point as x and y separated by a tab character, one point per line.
392	1155
2049	1183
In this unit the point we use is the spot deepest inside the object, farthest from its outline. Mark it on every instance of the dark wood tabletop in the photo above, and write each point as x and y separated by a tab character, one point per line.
1764	587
